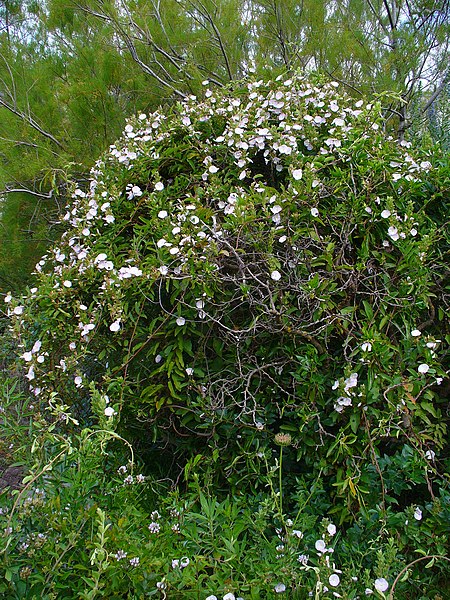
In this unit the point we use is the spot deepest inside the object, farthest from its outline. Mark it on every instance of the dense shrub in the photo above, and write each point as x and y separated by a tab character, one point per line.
252	292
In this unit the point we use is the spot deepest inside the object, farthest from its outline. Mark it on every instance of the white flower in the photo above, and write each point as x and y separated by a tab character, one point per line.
229	596
368	592
314	212
175	563
280	588
78	381
109	411
184	561
334	580
284	149
430	454
134	561
413	232
181	321
320	546
393	233
212	597
163	270
297	533
8	298
297	174
158	358
190	371
213	169
381	585
386	214
36	346
275	275
115	326
423	368
331	529
415	333
18	310
27	356
159	186
366	347
418	514
162	214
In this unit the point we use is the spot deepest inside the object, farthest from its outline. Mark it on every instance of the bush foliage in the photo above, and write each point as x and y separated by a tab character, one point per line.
252	293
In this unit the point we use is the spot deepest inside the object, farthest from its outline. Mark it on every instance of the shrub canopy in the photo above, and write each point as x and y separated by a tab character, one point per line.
259	267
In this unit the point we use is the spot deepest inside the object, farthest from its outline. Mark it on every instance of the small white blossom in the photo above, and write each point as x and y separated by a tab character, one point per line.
320	546
275	275
393	233
315	212
423	368
109	411
334	580
381	585
386	214
418	514
415	333
181	321
154	527
331	529
280	588
115	326
159	186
